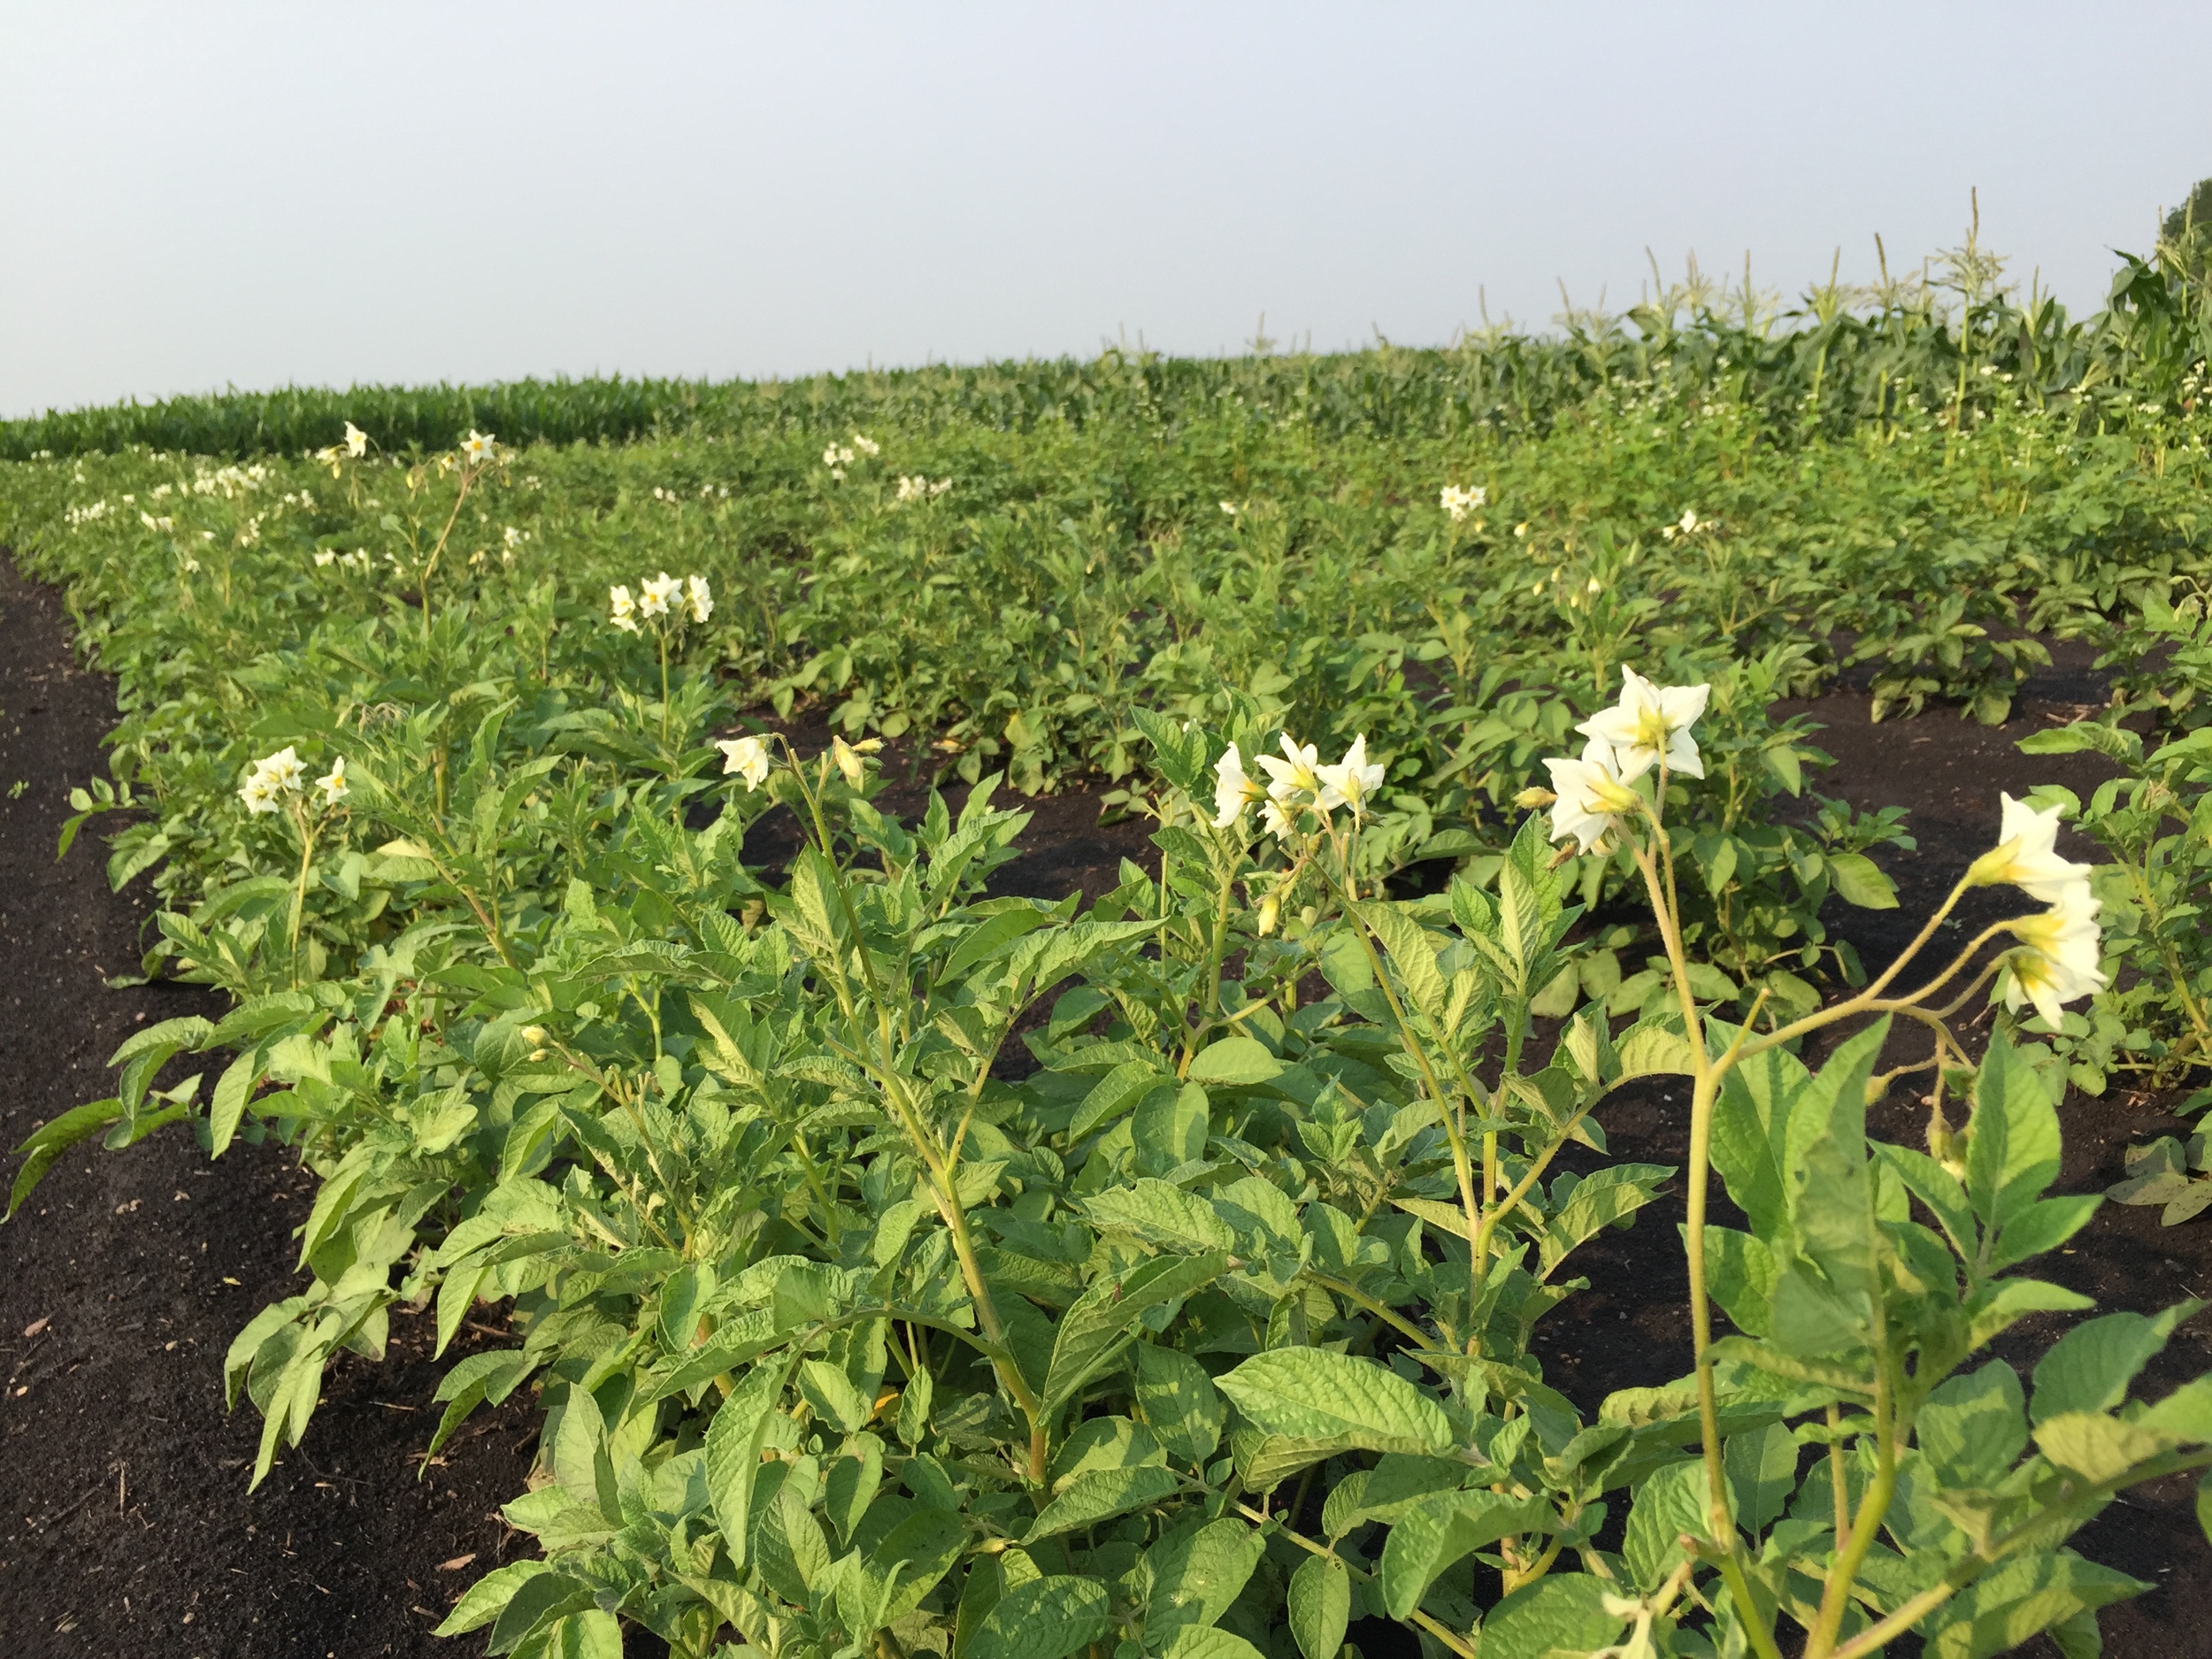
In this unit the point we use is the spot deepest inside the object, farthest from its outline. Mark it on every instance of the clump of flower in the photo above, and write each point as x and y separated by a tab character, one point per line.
1297	783
838	456
2061	951
667	602
279	777
1459	502
1688	525
921	488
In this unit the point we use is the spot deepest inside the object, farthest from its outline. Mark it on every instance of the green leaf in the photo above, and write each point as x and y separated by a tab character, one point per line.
1412	953
485	1600
50	1139
2089	1369
1671	1502
1099	1494
1234	1062
1858	881
1198	1570
227	1105
581	1464
1312	1393
1446	1527
1973	1428
1762	1466
1561	1611
1195	1642
589	1635
1179	1402
2096	1446
1386	1492
1320	1606
733	1442
1169	1130
1161	1214
2013	1601
1045	1618
2014	1150
913	1557
1095	1329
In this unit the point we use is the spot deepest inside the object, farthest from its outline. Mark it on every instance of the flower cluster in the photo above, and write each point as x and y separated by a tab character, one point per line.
838	456
2062	948
283	773
1688	525
1649	726
664	600
1298	782
356	560
1459	502
919	489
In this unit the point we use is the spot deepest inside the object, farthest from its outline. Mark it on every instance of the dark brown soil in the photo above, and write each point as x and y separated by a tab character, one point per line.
124	1526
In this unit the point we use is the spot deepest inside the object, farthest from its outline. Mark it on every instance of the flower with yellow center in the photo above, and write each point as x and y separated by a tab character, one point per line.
1650	724
332	783
1299	774
2058	957
623	609
654	596
356	441
1590	797
478	447
748	757
2026	854
1233	791
1352	779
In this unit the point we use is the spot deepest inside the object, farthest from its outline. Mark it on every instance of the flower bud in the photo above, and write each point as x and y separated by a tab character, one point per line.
1534	796
1270	907
536	1036
847	759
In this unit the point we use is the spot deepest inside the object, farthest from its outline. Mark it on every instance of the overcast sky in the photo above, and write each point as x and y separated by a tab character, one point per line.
202	193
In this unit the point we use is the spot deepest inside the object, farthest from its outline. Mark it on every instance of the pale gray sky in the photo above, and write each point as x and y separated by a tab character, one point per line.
212	193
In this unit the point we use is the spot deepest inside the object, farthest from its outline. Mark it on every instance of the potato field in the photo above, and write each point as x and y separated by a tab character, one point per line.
1544	997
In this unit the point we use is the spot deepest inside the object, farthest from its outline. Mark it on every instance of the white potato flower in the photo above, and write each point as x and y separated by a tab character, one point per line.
477	446
259	795
2026	854
325	555
356	441
623	609
829	456
699	597
1459	502
2059	961
283	770
1649	724
746	757
1297	774
1278	823
1591	796
654	596
1233	791
332	783
866	446
1352	779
